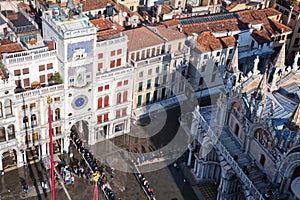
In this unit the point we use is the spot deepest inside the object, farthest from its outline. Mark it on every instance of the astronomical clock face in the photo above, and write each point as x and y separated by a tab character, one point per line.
79	102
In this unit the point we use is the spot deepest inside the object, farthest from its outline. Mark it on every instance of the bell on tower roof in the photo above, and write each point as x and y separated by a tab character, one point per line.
280	58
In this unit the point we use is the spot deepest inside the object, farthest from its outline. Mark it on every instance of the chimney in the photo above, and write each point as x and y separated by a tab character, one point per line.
51	45
5	31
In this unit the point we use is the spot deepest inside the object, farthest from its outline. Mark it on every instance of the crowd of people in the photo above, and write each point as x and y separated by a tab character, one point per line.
88	166
145	185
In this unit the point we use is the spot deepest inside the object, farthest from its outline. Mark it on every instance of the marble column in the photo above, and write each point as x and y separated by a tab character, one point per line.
198	169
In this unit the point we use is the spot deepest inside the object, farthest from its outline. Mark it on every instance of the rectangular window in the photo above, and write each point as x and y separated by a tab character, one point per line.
32	105
35	137
17	72
26	82
100	66
119	83
164	79
149	84
119	51
157	69
205	56
131	8
230	51
41	67
148	98
99	118
27	139
113	53
126	82
141	74
119	62
42	79
118	113
106	87
49	76
149	71
218	53
58	130
24	107
124	112
112	63
140	86
100	55
50	66
139	100
106	117
100	89
26	71
156	83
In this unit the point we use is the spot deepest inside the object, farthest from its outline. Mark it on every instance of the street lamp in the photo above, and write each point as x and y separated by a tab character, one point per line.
49	101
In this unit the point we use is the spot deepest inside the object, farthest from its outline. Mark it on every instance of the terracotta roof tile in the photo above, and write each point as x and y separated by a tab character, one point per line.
106	30
215	26
169	33
172	23
261	37
207	42
7	46
95	4
142	37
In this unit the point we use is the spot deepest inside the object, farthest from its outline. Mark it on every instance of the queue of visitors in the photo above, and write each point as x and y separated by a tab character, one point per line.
89	166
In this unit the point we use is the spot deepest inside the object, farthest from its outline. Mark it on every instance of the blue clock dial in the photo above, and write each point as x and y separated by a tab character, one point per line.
79	101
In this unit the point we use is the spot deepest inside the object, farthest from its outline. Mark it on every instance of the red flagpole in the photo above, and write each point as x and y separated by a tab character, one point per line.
51	150
96	192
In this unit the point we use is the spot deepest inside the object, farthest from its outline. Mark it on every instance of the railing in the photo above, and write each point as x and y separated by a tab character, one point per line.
230	160
42	53
151	60
121	38
40	91
57	25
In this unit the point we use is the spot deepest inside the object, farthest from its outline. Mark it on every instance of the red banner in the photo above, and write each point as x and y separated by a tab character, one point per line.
96	192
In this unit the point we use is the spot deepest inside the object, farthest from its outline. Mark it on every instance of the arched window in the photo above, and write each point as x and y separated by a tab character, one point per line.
11	132
25	122
33	121
1	113
119	98
7	107
57	114
100	102
2	134
106	100
125	96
